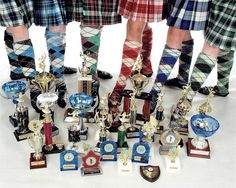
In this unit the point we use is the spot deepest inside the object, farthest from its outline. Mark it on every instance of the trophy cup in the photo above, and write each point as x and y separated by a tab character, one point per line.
15	90
124	162
139	82
36	141
148	130
121	142
160	112
46	101
203	126
172	161
178	120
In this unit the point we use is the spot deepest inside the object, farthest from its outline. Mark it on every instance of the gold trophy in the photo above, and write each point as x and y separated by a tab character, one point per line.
148	130
124	161
160	112
172	161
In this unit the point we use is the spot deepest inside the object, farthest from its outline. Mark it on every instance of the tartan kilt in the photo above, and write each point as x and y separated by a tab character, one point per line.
16	13
221	29
189	14
50	13
143	10
93	12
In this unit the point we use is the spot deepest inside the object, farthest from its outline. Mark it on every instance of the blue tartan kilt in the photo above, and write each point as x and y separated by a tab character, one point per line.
50	13
16	13
189	14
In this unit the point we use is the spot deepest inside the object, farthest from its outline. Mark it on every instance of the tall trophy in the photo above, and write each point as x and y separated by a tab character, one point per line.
36	142
160	112
121	140
203	126
139	82
46	101
15	91
178	120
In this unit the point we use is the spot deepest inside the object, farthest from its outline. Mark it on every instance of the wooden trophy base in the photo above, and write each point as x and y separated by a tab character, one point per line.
13	121
22	136
132	132
192	151
41	163
91	171
160	129
55	149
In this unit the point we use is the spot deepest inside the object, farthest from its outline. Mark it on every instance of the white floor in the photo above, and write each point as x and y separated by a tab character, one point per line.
219	171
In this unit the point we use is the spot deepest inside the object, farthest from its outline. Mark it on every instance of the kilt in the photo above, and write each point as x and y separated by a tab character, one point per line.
143	10
93	12
221	29
189	14
50	13
16	13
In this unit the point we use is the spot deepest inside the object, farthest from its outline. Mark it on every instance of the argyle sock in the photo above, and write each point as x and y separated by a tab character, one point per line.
15	67
146	52
224	67
201	71
185	60
90	39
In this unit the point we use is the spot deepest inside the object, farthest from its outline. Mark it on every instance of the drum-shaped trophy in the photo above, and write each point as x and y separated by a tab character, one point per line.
36	142
46	101
15	90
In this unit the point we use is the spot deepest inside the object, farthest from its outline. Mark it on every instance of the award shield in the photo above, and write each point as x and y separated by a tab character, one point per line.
150	173
69	160
140	153
36	141
15	90
108	151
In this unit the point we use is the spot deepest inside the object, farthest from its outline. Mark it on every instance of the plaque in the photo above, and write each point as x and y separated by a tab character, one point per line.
108	151
69	160
150	173
140	153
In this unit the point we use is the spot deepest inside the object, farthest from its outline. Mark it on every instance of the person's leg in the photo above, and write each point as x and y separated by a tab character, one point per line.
131	50
56	44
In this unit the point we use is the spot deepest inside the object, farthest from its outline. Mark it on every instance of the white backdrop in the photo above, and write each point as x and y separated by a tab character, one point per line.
14	157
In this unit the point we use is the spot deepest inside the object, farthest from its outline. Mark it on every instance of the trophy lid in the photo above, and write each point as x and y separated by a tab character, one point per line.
13	89
47	99
81	101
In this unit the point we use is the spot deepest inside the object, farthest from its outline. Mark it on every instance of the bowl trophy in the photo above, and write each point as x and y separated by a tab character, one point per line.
15	91
203	126
160	112
139	82
45	102
36	142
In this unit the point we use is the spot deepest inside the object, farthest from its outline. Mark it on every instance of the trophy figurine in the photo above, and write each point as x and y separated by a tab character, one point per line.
45	102
203	126
172	161
124	162
36	142
121	142
148	130
160	112
15	91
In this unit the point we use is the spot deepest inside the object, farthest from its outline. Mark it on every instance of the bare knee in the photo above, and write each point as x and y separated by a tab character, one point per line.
135	30
19	33
210	50
175	37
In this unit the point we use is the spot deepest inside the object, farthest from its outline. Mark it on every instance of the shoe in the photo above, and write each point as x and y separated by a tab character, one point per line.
154	95
148	73
104	75
61	101
114	100
15	76
175	82
205	91
69	70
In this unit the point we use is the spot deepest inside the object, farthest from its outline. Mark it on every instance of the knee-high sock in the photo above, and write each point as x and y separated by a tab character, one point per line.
131	50
25	52
185	60
168	60
201	71
12	57
224	67
90	39
146	51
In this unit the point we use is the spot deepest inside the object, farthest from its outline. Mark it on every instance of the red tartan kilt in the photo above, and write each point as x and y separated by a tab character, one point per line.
143	10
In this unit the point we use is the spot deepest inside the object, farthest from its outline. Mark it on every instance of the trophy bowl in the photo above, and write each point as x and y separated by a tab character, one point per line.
81	101
46	99
13	89
139	82
203	126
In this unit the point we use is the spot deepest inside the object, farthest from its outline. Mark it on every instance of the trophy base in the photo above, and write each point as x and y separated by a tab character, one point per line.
22	136
55	149
173	166
41	163
160	129
132	132
91	171
192	151
97	148
84	134
120	148
182	130
13	121
55	131
68	117
114	127
164	149
125	169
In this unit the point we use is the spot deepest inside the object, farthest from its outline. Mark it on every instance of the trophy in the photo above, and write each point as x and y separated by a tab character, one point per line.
124	162
36	141
148	130
172	161
15	91
121	142
160	112
141	152
69	160
108	151
150	173
203	126
139	82
178	120
46	101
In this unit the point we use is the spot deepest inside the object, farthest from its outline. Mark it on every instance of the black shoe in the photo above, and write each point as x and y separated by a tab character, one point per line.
175	82
205	91
104	75
15	76
154	95
61	89
69	70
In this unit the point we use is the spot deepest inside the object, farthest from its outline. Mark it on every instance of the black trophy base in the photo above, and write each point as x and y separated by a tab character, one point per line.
56	148
91	171
120	148
13	121
41	163
114	127
84	134
182	130
22	135
55	131
160	129
97	148
132	132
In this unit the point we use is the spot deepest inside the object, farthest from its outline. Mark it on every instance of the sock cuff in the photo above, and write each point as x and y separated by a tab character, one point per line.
49	33
148	31
88	31
171	51
208	58
8	35
133	44
188	43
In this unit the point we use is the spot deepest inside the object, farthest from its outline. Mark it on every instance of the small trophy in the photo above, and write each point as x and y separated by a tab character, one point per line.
36	141
148	130
141	152
203	126
121	141
91	164
69	160
160	112
15	91
45	102
172	161
108	151
178	120
150	173
124	162
139	82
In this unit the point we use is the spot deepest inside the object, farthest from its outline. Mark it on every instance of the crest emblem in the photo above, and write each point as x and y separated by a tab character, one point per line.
150	173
